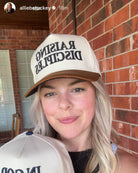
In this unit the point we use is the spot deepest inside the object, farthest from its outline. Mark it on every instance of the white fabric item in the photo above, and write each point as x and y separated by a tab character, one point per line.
32	153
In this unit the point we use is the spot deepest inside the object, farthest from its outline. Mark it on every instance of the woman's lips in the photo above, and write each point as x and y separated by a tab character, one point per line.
68	120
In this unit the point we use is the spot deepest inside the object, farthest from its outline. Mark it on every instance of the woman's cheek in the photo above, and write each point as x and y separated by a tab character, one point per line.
48	107
84	102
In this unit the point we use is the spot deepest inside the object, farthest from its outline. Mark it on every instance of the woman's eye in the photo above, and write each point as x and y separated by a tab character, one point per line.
78	90
49	94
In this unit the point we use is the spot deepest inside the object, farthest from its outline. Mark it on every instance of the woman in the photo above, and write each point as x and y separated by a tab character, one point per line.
72	105
9	8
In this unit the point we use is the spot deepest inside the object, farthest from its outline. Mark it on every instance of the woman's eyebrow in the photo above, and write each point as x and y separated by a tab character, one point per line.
47	86
70	84
76	81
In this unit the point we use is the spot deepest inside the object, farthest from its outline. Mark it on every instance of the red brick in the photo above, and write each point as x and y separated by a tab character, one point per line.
125	29
3	41
93	8
134	8
100	53
103	40
127	116
5	32
18	33
106	65
106	1
81	6
51	2
117	76
135	132
128	143
1	34
126	59
118	18
121	128
69	6
135	41
58	12
52	27
134	72
63	24
109	88
52	18
100	16
134	103
68	29
96	31
125	88
116	5
84	35
121	102
84	27
80	19
59	28
118	47
108	10
64	14
58	20
56	3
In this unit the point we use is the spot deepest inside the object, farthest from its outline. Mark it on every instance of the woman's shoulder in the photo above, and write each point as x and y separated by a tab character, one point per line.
127	162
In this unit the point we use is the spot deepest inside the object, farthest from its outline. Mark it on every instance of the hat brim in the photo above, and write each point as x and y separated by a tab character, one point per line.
84	75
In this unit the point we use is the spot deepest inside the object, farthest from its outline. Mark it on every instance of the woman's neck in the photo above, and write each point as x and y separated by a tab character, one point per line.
77	143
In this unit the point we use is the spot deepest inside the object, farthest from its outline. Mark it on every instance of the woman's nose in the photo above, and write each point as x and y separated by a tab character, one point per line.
64	102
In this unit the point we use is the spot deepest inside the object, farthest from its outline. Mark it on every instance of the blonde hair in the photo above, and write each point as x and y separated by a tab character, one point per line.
102	153
101	132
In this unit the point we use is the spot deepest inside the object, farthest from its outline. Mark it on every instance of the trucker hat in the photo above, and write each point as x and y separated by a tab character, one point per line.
63	55
33	153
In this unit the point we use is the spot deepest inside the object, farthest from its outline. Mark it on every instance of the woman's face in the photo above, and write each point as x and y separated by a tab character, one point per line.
9	6
69	106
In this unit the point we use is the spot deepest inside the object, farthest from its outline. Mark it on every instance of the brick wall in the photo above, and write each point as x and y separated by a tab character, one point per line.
19	39
111	28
